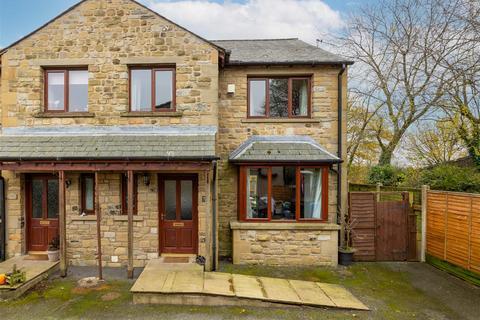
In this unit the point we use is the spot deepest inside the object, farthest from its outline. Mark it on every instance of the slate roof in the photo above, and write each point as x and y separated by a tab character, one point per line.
103	143
277	51
282	149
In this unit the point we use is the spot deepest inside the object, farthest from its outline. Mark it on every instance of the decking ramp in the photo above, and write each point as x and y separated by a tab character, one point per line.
188	284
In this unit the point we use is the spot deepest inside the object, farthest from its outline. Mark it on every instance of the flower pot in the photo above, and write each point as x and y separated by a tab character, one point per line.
345	257
53	255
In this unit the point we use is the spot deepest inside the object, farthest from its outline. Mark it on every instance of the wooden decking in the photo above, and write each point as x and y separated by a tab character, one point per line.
164	283
36	271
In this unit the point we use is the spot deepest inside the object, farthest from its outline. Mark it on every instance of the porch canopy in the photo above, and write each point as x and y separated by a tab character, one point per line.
105	148
282	149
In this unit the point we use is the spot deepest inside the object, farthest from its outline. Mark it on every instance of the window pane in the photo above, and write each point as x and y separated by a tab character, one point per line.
187	199
311	193
170	198
283	192
52	199
56	91
257	193
141	90
163	89
258	97
89	193
278	98
37	192
300	97
78	91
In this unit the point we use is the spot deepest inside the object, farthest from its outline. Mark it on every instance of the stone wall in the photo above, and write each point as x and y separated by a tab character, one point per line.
285	244
106	36
235	128
14	207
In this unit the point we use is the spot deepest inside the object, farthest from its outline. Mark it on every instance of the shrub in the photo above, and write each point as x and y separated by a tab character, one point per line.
387	175
452	178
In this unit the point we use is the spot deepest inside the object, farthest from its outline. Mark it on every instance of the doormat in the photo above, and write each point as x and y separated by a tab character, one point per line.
176	260
37	257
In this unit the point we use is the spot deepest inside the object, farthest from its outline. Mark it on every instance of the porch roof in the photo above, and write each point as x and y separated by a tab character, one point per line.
282	149
108	143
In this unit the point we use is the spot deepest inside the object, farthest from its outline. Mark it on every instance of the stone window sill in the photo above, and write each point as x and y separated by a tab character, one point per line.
125	218
236	225
302	120
84	218
64	115
152	114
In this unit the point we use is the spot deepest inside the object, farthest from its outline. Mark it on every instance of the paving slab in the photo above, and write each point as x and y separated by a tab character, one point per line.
279	290
185	281
341	296
310	293
218	283
247	287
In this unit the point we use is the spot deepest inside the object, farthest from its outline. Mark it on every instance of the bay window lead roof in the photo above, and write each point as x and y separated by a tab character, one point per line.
108	143
297	149
277	52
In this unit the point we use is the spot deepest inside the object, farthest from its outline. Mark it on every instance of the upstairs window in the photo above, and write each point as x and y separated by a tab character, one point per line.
66	90
279	97
152	89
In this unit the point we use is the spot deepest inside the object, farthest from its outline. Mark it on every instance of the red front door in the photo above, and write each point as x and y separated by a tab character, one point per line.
42	211
178	196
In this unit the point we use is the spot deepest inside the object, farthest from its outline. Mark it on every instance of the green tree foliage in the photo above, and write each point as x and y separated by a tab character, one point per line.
452	178
387	175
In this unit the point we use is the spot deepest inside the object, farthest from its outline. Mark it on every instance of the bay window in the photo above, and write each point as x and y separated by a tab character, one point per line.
283	193
279	97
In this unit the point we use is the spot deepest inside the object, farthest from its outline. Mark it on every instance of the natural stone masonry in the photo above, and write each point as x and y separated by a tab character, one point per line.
235	128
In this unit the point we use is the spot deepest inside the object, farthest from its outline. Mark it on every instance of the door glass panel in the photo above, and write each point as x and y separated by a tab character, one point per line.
37	192
52	199
170	199
257	193
187	199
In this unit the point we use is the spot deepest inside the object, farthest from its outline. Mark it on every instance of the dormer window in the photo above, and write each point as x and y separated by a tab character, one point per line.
152	89
279	97
66	90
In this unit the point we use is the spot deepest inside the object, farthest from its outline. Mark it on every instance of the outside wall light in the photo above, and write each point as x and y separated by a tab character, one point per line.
68	183
146	179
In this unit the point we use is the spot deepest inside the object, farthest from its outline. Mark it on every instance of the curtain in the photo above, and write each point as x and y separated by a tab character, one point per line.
317	200
312	193
249	202
141	90
304	98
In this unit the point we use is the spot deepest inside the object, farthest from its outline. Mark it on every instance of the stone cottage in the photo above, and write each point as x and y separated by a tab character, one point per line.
116	121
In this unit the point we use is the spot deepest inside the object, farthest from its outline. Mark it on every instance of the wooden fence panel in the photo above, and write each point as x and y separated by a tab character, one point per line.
362	214
453	228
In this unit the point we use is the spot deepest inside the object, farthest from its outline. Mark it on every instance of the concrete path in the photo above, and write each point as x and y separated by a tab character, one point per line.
36	270
189	279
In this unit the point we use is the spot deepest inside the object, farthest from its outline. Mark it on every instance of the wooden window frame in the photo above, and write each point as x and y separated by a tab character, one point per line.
66	89
83	197
153	70
290	97
124	194
242	203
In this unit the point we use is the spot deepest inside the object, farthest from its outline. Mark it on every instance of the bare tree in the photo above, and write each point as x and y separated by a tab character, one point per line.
434	143
398	46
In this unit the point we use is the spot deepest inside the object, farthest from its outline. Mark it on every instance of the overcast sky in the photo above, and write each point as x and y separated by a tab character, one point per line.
212	19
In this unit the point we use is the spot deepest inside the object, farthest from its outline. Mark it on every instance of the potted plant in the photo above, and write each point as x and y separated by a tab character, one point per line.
345	252
54	249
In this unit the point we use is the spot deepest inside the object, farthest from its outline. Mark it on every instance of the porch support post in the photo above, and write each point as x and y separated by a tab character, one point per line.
62	224
99	219
130	180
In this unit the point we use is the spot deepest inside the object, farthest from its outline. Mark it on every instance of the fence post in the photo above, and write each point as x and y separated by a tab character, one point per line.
379	188
423	249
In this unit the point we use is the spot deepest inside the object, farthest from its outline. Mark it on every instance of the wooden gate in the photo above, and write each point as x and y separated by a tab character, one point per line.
384	226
